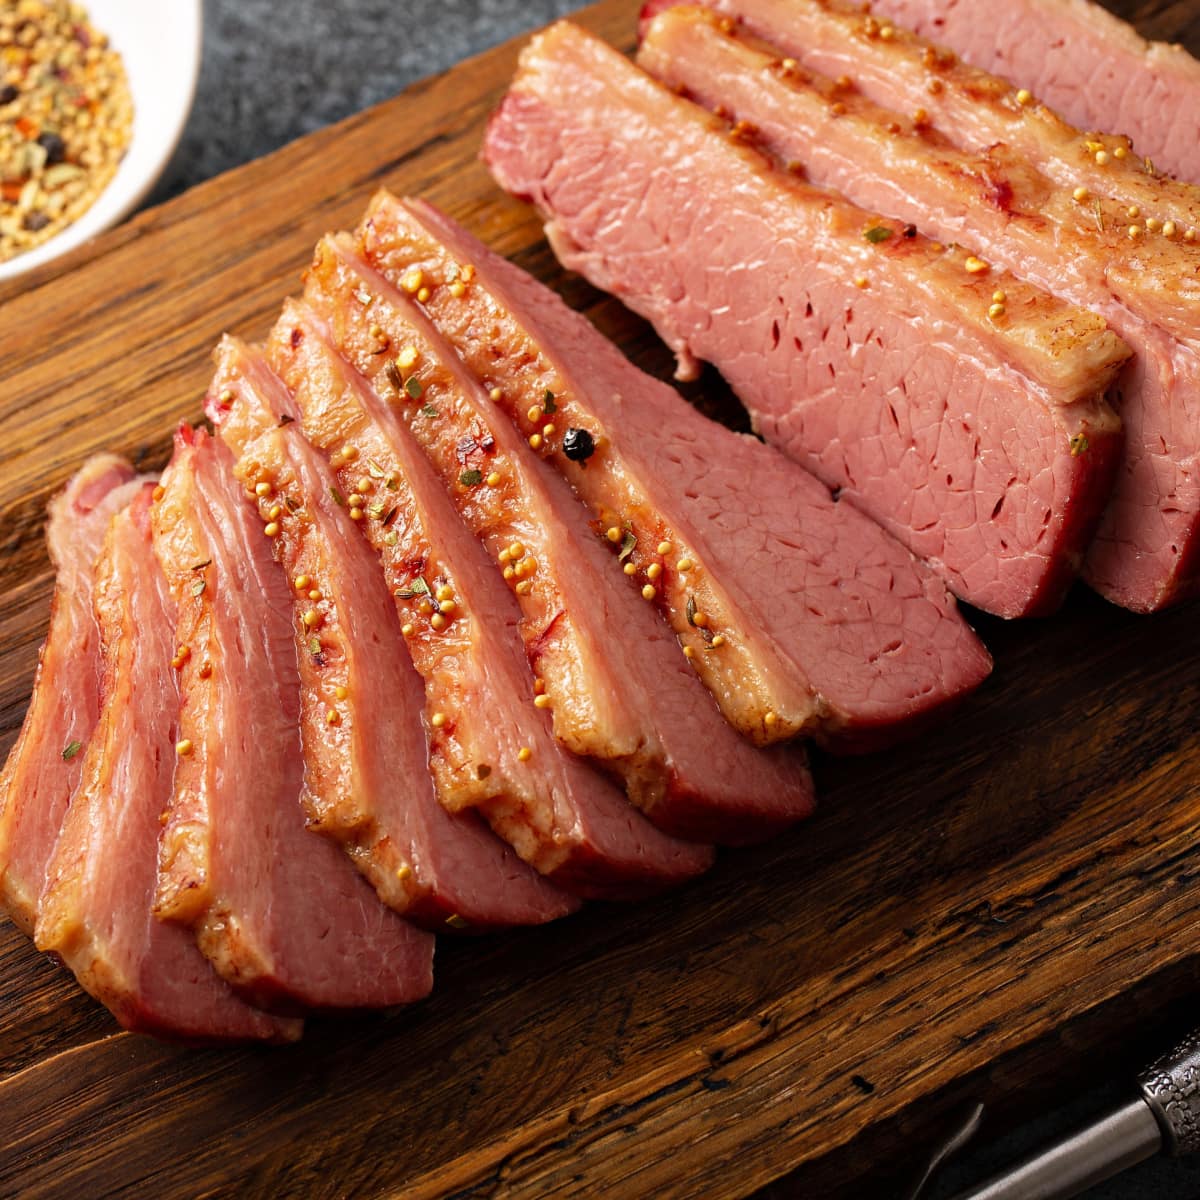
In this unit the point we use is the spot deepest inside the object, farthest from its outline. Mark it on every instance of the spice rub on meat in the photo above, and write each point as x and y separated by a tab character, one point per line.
95	911
492	748
800	614
367	783
1085	250
280	912
1076	212
609	672
1084	62
45	763
875	364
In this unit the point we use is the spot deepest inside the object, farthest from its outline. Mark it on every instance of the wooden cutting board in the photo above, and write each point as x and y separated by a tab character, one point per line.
970	916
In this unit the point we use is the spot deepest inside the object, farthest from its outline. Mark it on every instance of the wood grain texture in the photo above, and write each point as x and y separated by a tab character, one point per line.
970	915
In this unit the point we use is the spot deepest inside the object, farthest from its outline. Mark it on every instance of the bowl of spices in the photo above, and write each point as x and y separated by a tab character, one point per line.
93	99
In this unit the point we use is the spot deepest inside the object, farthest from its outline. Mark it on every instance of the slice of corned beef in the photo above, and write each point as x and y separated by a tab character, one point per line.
607	666
1119	237
281	913
975	109
367	783
45	763
1015	216
492	747
836	632
873	362
95	910
1081	60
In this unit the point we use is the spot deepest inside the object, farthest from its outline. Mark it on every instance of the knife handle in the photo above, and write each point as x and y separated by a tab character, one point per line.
1171	1087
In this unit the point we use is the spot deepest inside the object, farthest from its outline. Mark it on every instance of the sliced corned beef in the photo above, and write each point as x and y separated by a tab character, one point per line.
1015	216
609	670
1081	60
281	913
873	362
895	68
367	782
1147	550
837	632
95	911
492	748
44	765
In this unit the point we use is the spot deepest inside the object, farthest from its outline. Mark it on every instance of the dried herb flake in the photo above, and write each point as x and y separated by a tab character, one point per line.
198	588
628	542
877	234
414	389
548	402
71	749
337	497
470	478
418	587
430	410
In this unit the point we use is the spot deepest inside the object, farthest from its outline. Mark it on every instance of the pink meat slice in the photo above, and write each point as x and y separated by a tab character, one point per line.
1015	215
1146	553
95	910
493	748
685	767
46	761
1081	60
874	364
281	913
367	783
832	627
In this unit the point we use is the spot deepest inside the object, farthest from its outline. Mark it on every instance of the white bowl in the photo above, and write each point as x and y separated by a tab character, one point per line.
159	41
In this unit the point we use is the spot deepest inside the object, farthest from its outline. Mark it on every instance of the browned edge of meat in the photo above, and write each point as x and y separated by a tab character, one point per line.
746	596
1082	61
46	761
367	783
1097	247
900	70
95	910
491	748
675	246
603	658
279	911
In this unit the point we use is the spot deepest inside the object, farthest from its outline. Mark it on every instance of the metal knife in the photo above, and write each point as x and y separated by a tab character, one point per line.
1163	1119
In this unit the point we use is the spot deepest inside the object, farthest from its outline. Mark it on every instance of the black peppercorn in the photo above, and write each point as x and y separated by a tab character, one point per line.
578	445
54	147
8	94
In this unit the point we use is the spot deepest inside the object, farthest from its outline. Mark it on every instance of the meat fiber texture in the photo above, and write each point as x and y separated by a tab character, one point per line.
280	912
492	748
644	715
1143	262
46	762
874	365
826	624
95	910
367	782
1081	60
